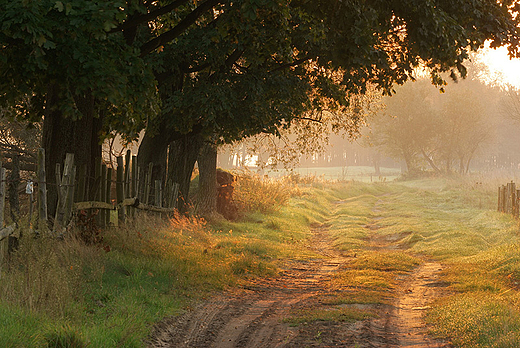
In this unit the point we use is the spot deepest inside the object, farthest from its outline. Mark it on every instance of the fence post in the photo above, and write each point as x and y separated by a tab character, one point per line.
503	202
174	193
69	203
158	193
120	187
62	183
102	195
127	173
42	188
14	203
3	243
512	198
108	194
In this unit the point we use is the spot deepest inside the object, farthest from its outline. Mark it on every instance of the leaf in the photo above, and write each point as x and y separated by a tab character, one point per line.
59	6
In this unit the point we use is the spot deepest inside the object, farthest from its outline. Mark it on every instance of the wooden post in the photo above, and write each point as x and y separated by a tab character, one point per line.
512	198
127	173
62	192
14	203
503	203
120	188
102	195
3	243
133	183
108	194
69	203
133	192
499	205
138	192
42	188
173	195
158	193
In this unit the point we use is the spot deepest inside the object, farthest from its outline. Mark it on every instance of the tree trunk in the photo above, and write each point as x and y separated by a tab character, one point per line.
377	163
207	196
430	162
63	135
181	161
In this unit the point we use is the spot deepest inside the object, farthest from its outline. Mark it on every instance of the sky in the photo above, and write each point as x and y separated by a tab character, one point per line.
502	69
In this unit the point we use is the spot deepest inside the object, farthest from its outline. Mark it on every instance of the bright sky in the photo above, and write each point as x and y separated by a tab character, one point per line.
502	69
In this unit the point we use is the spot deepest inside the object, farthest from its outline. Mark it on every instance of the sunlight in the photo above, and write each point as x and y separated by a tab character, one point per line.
502	70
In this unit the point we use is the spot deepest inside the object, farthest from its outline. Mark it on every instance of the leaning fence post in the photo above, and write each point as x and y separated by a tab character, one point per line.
42	188
63	192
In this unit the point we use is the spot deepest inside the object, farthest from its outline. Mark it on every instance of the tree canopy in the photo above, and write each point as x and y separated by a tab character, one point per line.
231	69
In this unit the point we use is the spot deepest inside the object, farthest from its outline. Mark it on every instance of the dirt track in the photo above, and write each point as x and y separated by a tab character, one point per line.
253	316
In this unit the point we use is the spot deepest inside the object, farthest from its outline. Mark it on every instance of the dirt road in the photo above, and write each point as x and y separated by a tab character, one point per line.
256	316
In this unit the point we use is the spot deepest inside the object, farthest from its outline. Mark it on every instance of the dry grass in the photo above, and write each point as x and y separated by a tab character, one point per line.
256	193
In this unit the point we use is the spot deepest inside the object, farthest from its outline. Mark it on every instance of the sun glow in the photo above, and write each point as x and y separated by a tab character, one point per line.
501	69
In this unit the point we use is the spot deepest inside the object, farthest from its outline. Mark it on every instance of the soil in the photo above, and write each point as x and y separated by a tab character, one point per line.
253	316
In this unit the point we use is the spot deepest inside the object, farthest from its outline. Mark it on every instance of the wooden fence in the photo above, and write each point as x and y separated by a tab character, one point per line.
132	186
508	199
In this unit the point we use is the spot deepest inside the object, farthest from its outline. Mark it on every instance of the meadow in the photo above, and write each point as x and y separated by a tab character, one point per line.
68	294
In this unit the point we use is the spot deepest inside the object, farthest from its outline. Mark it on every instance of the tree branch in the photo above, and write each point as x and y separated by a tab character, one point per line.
135	21
184	24
290	65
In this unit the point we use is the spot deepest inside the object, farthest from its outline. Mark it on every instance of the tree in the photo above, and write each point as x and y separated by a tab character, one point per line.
243	66
422	125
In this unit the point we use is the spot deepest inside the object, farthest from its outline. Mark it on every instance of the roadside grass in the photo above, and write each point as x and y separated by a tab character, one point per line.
63	293
69	294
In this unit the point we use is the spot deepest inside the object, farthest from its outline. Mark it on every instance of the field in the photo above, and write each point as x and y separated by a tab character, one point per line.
335	258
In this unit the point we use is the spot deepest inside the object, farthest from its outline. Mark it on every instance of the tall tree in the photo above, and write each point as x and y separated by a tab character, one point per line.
245	66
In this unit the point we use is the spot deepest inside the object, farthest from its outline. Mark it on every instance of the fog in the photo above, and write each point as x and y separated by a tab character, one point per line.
468	126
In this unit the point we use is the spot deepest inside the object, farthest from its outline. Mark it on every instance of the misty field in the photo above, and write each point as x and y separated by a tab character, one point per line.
66	294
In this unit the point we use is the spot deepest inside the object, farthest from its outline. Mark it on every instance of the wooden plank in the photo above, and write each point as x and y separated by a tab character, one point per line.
93	205
3	244
174	194
102	194
499	206
70	195
108	194
120	188
42	187
133	192
62	189
133	183
127	167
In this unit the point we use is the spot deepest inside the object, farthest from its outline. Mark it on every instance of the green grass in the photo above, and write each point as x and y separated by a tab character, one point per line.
451	221
69	294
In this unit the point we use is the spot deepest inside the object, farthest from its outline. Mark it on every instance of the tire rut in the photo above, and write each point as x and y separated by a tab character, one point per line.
252	317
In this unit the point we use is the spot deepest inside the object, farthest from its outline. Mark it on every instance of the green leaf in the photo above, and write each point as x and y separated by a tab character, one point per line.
59	6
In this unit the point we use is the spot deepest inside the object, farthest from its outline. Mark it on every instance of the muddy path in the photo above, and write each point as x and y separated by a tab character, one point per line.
256	315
